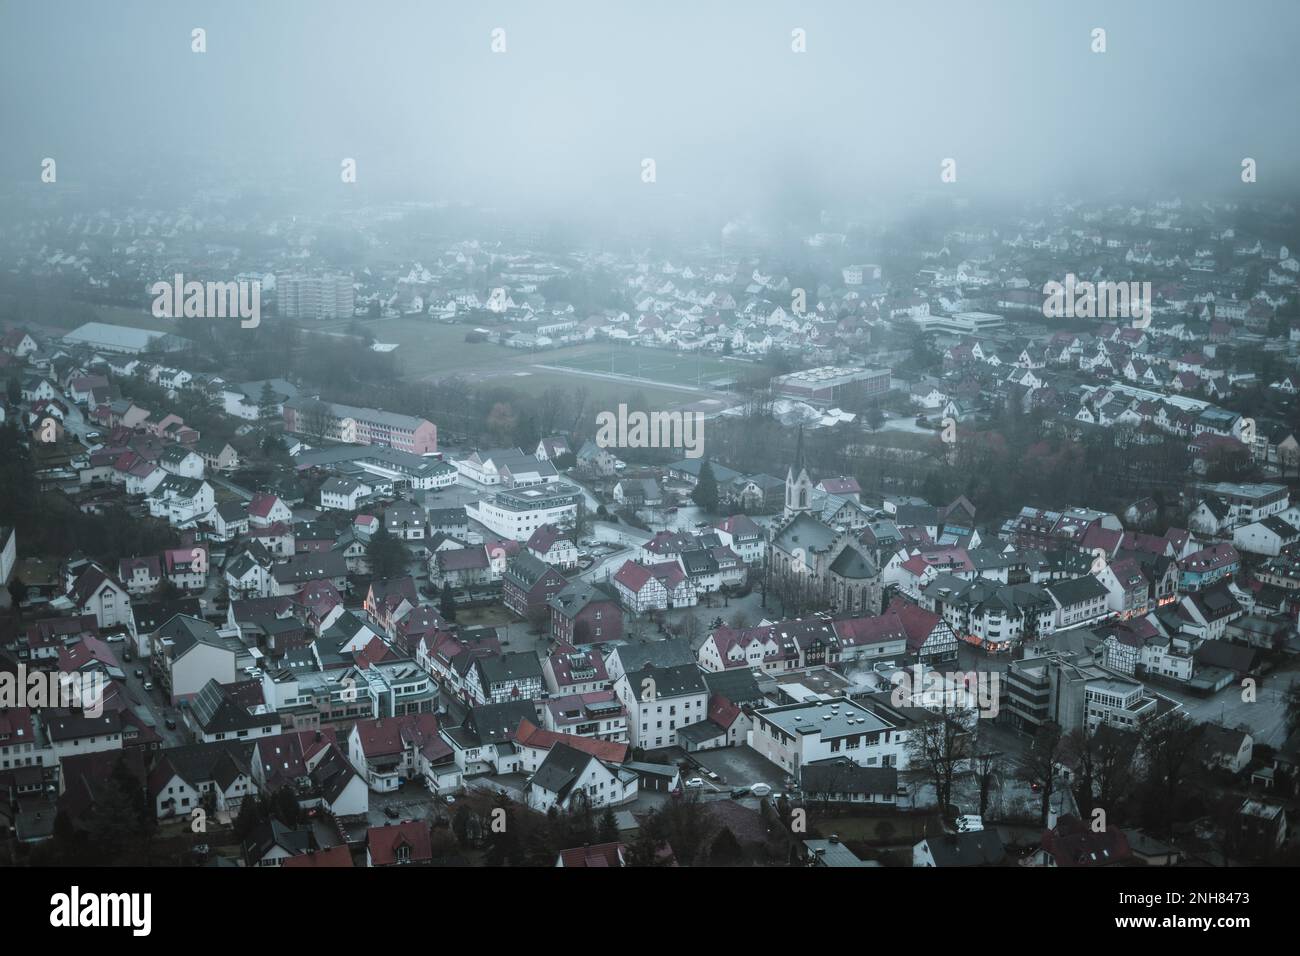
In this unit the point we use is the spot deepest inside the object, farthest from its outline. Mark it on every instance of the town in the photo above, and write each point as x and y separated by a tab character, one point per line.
484	625
495	437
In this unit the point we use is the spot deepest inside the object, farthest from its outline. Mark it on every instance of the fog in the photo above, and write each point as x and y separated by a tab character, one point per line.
712	92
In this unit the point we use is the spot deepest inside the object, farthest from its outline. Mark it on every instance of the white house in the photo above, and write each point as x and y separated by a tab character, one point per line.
570	778
660	701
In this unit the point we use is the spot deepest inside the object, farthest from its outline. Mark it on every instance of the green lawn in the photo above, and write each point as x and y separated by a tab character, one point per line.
435	350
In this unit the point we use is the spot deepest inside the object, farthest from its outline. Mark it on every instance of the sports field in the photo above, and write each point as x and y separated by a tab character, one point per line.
650	365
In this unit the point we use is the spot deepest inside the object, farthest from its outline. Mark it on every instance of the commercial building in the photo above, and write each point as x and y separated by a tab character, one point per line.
360	426
518	513
832	385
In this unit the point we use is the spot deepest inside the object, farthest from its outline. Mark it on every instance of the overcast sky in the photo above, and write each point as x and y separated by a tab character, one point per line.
710	90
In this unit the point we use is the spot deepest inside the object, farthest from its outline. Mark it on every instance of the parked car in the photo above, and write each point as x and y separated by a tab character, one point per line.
139	672
391	813
170	723
739	793
695	783
761	790
448	799
148	685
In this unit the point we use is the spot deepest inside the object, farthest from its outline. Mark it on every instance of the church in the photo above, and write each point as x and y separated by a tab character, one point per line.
814	554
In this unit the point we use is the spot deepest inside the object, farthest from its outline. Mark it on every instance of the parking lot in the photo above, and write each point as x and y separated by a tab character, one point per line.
735	767
411	801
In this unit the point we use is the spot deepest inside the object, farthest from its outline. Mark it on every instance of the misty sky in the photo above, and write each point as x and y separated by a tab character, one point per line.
711	91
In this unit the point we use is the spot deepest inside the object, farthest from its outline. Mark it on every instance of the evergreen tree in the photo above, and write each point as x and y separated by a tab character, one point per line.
447	603
706	489
266	403
388	555
608	826
246	820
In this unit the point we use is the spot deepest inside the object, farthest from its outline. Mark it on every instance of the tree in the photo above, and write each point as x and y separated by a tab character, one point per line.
725	848
460	824
705	493
447	603
285	807
608	831
1037	767
17	592
1292	705
503	844
246	820
539	618
267	404
987	766
1113	751
389	557
1169	753
315	419
938	745
121	818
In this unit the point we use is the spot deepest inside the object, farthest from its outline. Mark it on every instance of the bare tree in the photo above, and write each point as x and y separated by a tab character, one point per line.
939	744
987	766
1112	765
315	419
1037	767
1169	751
1103	761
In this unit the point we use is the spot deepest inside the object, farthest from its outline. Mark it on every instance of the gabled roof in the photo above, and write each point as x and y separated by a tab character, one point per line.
387	841
530	735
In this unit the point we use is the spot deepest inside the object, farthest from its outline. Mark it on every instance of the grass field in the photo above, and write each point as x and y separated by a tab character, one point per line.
655	365
76	313
610	373
434	350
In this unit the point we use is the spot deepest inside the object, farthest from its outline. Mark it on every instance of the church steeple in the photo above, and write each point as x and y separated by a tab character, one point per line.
798	486
798	465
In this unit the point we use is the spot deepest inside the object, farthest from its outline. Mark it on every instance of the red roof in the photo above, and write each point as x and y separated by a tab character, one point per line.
335	856
739	525
722	711
857	631
600	855
385	841
530	735
633	576
385	736
915	620
841	486
262	504
545	538
1072	843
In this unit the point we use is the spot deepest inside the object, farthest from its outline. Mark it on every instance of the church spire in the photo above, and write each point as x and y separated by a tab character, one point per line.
798	486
